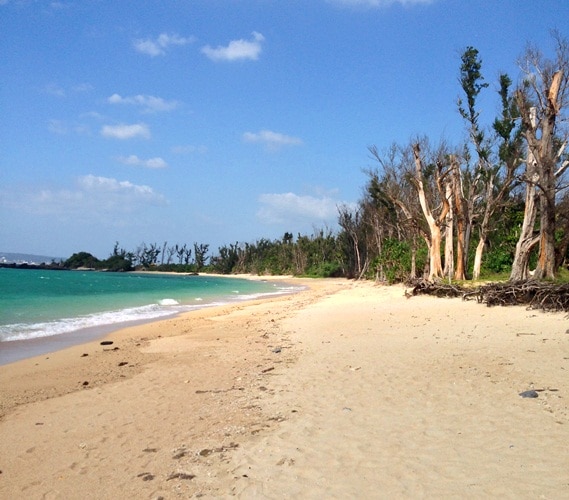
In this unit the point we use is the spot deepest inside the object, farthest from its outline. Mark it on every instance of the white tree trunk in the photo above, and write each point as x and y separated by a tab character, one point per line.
449	237
435	268
478	259
526	241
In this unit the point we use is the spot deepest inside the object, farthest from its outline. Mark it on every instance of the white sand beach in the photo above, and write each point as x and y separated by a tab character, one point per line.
345	390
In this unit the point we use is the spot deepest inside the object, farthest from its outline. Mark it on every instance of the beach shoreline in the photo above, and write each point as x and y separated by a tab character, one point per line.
16	350
63	349
346	389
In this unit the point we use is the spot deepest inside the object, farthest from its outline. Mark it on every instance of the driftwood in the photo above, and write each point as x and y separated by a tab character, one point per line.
533	294
436	289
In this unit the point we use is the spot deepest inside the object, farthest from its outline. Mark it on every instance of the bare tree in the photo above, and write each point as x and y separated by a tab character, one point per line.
186	254
350	220
434	221
170	251
179	250
541	99
200	251
393	209
499	179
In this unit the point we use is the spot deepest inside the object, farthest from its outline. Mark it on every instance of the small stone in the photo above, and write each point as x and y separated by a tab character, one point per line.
529	394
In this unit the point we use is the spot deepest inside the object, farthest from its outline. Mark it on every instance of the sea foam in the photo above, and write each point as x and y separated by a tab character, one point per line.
21	331
159	308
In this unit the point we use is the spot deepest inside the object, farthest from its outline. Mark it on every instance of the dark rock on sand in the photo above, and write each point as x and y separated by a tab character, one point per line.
529	394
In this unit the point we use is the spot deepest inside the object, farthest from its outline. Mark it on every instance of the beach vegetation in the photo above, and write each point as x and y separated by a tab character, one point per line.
82	260
200	253
506	186
494	205
117	262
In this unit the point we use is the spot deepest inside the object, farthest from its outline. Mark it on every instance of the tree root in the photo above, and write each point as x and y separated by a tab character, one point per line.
533	294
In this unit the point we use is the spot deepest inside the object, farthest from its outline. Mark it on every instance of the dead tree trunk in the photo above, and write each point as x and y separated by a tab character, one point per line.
483	230
449	236
539	131
526	241
435	263
546	261
461	220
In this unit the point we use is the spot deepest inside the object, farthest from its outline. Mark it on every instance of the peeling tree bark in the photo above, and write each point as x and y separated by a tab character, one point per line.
483	230
449	236
435	262
526	241
462	220
540	177
546	260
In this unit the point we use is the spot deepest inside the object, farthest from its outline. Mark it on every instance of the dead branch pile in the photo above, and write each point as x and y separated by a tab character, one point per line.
437	289
533	294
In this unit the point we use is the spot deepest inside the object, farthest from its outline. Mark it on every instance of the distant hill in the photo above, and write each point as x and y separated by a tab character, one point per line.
26	258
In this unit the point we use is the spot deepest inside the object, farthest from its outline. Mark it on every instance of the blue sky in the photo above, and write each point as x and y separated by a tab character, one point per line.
215	121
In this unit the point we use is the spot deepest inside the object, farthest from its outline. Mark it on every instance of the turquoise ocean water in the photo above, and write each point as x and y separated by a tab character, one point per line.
42	311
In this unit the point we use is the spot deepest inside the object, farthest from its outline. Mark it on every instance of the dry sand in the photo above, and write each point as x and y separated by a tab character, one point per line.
346	390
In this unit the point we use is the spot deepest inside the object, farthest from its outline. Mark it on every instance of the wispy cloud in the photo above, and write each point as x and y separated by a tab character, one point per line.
82	87
60	127
271	140
135	161
158	46
378	3
148	103
281	208
58	91
91	197
237	49
122	190
123	131
95	115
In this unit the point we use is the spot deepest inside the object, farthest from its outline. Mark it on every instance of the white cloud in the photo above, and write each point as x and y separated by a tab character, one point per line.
379	3
236	50
271	140
279	208
139	162
123	131
124	190
148	103
93	198
157	47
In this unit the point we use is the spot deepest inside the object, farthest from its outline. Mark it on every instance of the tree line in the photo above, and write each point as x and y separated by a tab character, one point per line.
496	203
504	191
